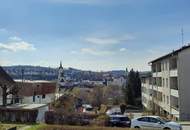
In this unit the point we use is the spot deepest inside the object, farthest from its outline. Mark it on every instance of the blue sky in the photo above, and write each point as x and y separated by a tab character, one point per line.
91	34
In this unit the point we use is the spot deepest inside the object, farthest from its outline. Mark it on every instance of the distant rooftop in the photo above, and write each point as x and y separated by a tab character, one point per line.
174	52
34	81
26	106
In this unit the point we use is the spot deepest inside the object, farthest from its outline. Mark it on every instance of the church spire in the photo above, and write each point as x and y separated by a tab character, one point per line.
60	67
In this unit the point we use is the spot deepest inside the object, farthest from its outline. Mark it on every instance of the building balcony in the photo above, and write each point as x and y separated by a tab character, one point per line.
175	112
157	74
174	92
174	102
158	88
173	73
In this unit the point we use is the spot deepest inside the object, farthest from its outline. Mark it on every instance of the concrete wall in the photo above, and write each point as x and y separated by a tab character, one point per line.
184	84
41	114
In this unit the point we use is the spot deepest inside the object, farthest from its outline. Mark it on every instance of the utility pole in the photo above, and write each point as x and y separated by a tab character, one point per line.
22	76
182	36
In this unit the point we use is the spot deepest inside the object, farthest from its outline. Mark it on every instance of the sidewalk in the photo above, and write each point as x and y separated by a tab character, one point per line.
185	123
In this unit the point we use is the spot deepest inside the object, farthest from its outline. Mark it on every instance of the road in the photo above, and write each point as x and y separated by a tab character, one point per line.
186	127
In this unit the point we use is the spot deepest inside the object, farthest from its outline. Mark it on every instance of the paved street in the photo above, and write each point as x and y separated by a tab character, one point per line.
185	127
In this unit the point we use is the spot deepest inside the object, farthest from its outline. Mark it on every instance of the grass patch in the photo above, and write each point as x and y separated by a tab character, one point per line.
7	126
66	127
37	127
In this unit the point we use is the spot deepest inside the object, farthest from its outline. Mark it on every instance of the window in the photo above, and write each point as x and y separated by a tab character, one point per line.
164	98
166	82
153	120
163	82
144	119
34	97
43	96
167	99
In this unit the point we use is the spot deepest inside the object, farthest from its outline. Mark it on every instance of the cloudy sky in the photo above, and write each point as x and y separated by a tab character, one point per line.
91	34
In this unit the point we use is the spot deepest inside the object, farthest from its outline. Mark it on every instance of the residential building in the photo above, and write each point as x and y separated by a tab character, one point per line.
120	81
171	84
147	91
37	91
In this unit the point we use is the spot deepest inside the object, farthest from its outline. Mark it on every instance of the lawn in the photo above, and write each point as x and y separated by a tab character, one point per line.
65	127
7	126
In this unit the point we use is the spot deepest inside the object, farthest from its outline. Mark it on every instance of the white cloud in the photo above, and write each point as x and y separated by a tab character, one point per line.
15	38
94	52
73	52
3	30
15	44
122	49
108	40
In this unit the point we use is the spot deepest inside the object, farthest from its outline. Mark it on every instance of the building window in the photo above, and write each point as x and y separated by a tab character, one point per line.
164	98
43	96
166	82
34	97
167	99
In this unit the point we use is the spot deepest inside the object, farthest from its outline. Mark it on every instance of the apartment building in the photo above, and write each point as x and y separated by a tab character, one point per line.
170	84
147	91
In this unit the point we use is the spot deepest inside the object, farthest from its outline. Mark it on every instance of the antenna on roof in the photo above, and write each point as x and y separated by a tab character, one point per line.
182	36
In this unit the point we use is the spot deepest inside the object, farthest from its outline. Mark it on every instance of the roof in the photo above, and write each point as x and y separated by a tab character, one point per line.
174	52
34	81
4	77
26	106
28	89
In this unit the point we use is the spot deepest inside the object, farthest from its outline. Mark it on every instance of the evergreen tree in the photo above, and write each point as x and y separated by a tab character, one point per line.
138	84
132	90
129	93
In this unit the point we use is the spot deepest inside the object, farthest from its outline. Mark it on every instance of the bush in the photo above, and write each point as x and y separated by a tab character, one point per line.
52	117
103	109
102	120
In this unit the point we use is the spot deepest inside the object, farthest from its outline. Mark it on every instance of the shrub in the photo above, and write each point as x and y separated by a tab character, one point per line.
102	120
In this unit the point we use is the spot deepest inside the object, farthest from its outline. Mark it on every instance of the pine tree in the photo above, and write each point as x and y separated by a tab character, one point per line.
129	93
132	90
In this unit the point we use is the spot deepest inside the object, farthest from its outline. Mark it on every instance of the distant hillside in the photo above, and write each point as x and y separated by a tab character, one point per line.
32	72
47	73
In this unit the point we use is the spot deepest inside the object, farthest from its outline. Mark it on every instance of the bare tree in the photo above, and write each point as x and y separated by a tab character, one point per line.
7	86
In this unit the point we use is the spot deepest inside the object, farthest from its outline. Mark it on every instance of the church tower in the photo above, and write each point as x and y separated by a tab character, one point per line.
61	78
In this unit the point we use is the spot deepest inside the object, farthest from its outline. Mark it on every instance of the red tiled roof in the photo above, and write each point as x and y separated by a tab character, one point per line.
28	89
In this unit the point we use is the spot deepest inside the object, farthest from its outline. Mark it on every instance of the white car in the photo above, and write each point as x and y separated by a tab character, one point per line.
154	122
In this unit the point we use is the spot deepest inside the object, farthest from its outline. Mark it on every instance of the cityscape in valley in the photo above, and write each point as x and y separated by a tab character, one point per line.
94	65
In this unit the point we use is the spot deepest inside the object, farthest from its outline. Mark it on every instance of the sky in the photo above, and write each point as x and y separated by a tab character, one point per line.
96	35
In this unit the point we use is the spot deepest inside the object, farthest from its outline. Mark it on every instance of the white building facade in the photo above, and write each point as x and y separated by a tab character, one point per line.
171	84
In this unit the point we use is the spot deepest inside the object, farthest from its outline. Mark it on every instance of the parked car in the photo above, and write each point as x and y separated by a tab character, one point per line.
114	111
154	122
119	121
87	108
